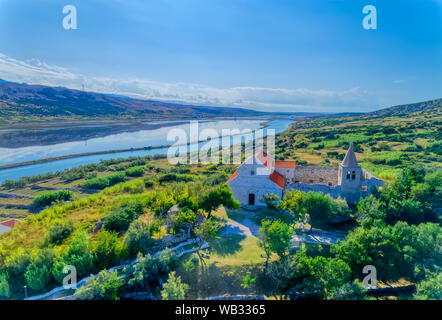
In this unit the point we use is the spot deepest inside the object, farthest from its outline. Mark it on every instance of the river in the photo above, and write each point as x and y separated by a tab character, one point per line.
153	137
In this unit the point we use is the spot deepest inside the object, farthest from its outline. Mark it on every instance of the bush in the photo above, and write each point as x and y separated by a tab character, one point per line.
147	270
4	286
15	267
78	254
135	171
435	147
39	273
430	288
108	250
149	183
122	217
59	232
105	286
49	197
96	183
104	182
173	289
138	237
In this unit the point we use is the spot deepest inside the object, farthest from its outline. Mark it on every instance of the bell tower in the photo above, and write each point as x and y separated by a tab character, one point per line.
350	176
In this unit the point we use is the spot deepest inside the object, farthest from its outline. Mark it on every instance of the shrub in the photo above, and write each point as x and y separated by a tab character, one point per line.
135	171
59	232
39	272
435	147
116	178
96	183
49	197
4	286
107	250
149	183
105	286
78	254
138	237
122	217
430	288
173	289
15	266
104	182
147	270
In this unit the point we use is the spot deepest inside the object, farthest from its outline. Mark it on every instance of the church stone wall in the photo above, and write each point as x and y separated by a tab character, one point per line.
316	175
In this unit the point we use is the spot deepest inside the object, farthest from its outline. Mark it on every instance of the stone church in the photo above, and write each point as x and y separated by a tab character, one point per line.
260	174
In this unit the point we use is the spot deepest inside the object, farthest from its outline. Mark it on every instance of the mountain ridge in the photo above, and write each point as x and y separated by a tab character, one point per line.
30	101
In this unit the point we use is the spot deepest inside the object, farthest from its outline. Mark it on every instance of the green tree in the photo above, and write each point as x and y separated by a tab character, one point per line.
105	286
319	275
4	285
78	254
221	195
370	212
292	204
38	274
275	237
16	264
271	200
317	206
207	230
162	203
430	288
173	289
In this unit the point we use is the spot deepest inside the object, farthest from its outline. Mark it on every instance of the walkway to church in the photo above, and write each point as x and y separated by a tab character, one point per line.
248	228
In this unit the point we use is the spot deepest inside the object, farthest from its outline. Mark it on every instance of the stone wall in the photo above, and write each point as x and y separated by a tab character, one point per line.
316	175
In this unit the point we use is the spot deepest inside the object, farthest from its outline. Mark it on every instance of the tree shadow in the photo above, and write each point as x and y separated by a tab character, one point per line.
227	244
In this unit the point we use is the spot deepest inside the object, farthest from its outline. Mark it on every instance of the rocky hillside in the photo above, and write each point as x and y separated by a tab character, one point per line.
21	101
405	109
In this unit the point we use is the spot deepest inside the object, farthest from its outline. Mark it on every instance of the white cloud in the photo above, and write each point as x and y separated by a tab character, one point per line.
267	99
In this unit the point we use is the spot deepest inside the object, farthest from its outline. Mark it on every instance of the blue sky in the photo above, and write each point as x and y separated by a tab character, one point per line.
272	55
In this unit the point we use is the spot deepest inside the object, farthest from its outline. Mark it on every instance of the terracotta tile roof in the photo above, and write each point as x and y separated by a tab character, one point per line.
350	158
234	175
9	223
285	164
277	178
267	161
263	158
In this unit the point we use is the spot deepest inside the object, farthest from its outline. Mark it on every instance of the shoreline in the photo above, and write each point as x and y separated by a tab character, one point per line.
85	154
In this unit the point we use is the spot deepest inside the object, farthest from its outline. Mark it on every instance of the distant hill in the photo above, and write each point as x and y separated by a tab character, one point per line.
409	108
22	101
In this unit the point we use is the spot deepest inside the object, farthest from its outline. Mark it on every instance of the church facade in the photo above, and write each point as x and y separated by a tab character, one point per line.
260	174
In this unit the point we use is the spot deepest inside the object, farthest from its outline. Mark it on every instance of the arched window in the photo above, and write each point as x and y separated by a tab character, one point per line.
348	175
353	175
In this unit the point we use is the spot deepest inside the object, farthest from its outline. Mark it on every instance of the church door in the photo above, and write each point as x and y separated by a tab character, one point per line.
251	199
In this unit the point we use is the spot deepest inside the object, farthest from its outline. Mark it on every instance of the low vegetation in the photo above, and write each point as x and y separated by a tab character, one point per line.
125	209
